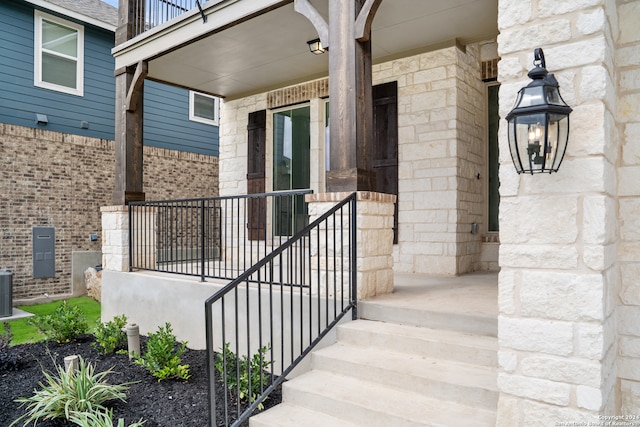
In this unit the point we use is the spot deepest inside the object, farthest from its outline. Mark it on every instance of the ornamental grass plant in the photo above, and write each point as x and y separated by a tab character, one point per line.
72	391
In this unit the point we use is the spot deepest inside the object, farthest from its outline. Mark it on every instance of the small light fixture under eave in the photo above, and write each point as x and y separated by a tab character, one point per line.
315	46
539	123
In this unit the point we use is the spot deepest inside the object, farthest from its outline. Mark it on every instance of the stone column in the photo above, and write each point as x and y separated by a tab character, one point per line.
374	240
628	251
558	278
115	238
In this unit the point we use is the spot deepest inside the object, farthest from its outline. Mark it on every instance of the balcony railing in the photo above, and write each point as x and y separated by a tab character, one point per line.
151	13
259	328
216	237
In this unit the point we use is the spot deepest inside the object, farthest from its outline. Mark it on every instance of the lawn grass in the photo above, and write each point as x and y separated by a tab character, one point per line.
25	333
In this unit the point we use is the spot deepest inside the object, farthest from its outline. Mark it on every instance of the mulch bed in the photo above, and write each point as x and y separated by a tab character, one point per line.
168	403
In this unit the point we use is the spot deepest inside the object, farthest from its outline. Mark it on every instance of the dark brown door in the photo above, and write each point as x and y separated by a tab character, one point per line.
256	209
385	139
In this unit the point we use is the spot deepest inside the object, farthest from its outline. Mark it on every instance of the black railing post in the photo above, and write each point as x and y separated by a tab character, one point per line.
208	315
202	240
353	265
130	238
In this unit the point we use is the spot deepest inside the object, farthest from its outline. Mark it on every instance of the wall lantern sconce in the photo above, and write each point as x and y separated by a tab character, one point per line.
315	46
539	123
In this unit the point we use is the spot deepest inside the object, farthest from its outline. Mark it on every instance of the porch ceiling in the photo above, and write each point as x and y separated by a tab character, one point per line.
234	56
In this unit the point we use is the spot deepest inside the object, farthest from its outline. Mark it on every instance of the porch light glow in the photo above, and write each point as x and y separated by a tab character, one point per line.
315	46
539	123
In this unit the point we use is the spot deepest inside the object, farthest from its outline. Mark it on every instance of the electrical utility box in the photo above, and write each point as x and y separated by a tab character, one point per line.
44	252
6	293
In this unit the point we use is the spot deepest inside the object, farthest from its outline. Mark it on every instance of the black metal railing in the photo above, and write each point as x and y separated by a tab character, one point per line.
258	328
216	237
152	13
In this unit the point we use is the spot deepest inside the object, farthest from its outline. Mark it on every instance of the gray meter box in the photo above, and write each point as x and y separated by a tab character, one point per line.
6	293
44	252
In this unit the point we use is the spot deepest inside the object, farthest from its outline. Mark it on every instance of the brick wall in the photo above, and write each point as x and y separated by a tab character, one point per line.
61	180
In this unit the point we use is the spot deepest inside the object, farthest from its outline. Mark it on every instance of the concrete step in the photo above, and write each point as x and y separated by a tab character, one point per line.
436	378
286	414
460	321
371	404
421	341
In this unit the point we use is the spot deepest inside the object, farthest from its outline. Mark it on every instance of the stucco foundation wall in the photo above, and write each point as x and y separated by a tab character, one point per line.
61	180
627	59
442	149
559	274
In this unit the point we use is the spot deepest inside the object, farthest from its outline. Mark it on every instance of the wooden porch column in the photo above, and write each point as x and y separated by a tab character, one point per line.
351	113
128	120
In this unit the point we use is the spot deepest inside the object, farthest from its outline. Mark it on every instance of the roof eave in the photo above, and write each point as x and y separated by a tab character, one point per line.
72	14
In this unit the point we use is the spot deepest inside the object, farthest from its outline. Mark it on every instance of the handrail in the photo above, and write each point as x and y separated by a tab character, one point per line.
321	259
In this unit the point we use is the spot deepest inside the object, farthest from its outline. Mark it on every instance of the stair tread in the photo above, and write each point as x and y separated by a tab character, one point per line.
289	415
453	372
471	322
384	402
424	333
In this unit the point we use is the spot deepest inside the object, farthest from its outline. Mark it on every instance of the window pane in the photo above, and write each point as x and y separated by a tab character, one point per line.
494	158
291	166
204	107
59	71
59	39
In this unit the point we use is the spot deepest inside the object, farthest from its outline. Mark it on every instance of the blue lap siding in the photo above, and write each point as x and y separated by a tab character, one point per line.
166	109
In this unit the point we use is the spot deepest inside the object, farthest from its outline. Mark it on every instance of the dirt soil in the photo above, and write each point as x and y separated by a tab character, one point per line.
168	403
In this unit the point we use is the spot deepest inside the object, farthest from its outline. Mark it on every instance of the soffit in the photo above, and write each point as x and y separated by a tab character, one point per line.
270	51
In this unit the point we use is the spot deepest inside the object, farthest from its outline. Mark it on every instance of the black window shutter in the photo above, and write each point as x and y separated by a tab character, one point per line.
256	138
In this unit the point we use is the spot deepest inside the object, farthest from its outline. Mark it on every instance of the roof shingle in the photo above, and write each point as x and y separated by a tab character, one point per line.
95	9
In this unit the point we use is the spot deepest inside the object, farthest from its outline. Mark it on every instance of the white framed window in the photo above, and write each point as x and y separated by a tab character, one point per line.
58	54
203	108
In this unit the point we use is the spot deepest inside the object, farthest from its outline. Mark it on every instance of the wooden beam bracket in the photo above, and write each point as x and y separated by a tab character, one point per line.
362	30
134	92
306	9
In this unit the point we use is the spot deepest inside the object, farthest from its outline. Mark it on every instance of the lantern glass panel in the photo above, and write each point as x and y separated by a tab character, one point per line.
558	135
553	96
531	96
530	142
513	146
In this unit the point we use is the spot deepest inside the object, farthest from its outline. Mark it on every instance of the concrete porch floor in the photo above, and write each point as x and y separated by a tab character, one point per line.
465	303
474	293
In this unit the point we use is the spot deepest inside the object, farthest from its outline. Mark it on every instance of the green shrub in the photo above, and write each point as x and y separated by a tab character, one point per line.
65	324
162	355
10	357
239	370
110	335
80	390
99	419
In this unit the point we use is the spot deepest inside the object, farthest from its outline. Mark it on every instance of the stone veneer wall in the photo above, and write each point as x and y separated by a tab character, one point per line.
627	60
61	180
442	149
472	152
559	273
442	128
